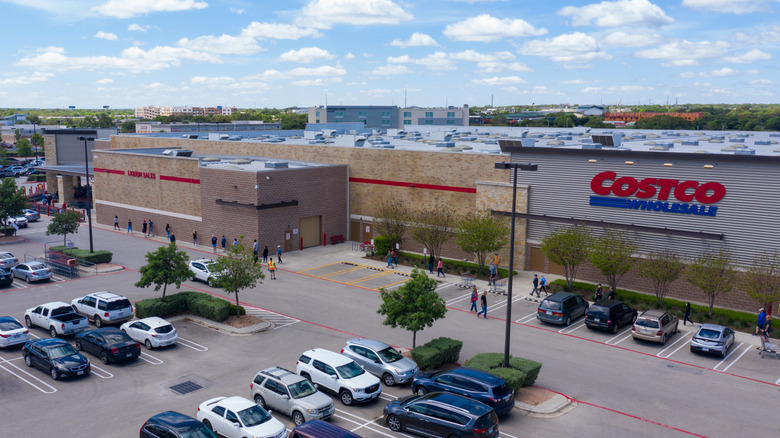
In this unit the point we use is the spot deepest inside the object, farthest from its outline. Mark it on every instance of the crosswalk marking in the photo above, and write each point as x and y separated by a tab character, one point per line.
278	319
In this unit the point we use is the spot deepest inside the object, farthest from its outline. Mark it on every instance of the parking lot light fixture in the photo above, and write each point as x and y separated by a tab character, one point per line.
89	192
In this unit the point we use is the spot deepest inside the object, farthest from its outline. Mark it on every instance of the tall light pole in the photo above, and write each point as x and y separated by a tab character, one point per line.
89	191
530	167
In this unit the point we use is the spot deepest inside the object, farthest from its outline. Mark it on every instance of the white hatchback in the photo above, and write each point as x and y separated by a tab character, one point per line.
237	417
154	332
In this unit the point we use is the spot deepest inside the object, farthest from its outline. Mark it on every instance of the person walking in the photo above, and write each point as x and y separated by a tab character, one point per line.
483	301
687	317
542	284
395	258
194	237
224	242
235	243
143	227
265	254
440	268
493	273
172	237
151	228
431	261
272	269
116	222
214	243
767	327
760	321
254	250
168	230
611	293
474	298
130	226
535	290
599	294
279	253
390	259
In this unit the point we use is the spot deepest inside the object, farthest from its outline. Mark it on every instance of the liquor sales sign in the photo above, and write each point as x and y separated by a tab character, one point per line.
656	194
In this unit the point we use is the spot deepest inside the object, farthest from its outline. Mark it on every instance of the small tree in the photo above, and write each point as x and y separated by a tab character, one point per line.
238	270
762	279
481	234
611	253
713	274
165	266
17	135
36	139
12	200
662	268
392	221
433	228
63	224
23	148
567	247
413	306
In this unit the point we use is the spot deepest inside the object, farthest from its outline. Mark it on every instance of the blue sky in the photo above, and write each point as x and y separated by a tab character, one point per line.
128	53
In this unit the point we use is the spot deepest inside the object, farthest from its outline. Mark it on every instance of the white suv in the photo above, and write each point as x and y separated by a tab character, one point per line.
104	308
203	270
338	374
288	393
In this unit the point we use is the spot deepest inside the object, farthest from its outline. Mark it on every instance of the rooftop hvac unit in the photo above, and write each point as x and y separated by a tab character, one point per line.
608	139
178	152
276	164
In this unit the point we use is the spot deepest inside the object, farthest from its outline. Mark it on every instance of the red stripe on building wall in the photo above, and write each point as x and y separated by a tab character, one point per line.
413	185
179	179
115	172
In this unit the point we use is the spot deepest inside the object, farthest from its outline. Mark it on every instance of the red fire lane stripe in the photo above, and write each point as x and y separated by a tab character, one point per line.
414	185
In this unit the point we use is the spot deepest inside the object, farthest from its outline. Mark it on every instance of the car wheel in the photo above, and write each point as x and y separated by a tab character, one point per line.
298	418
27	360
148	344
346	397
394	423
388	379
260	401
28	322
104	357
615	328
664	339
676	328
54	374
207	423
53	332
420	390
211	282
98	322
27	278
78	345
568	320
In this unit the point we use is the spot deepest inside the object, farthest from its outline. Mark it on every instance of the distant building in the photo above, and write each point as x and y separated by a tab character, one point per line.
13	120
194	127
150	112
390	117
635	117
591	110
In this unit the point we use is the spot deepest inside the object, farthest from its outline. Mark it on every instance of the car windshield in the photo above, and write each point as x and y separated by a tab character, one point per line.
599	312
64	351
709	334
253	416
550	304
500	391
486	421
350	370
164	329
9	325
644	322
115	338
36	266
201	432
304	388
118	304
390	355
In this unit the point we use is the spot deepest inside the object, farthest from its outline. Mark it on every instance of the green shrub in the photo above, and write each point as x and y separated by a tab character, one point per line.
453	266
7	231
530	369
514	378
241	310
521	372
215	309
169	305
426	357
382	245
449	349
83	255
485	361
201	304
36	178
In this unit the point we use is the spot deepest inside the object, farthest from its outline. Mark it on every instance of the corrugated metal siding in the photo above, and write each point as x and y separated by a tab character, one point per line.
747	216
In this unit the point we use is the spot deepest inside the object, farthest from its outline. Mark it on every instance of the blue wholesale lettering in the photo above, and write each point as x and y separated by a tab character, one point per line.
659	206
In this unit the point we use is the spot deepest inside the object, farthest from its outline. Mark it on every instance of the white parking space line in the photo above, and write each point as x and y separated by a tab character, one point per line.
445	285
503	304
278	319
44	388
363	423
569	329
623	339
457	299
527	318
507	435
152	360
101	373
777	382
612	339
190	344
738	358
729	355
685	335
388	397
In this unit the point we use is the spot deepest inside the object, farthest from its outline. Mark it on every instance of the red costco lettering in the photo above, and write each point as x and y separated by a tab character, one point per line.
607	182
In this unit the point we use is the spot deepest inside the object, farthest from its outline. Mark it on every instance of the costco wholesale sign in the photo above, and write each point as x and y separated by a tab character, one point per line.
656	194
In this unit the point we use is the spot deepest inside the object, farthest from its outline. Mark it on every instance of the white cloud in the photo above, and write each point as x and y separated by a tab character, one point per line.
306	55
768	36
486	29
496	67
134	27
687	74
325	13
499	80
617	13
573	47
324	70
155	86
623	39
128	9
104	81
349	56
228	83
729	6
754	55
26	80
222	45
725	71
238	11
106	36
578	82
682	53
386	70
416	40
474	56
278	31
434	61
617	89
761	82
133	59
319	82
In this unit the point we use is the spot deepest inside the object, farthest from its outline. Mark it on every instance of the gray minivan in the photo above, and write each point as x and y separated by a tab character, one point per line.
561	308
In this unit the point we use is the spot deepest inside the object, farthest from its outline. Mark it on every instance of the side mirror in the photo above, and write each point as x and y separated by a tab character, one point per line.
284	396
334	377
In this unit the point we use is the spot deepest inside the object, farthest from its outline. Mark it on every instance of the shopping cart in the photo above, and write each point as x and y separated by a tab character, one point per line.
498	287
466	280
769	348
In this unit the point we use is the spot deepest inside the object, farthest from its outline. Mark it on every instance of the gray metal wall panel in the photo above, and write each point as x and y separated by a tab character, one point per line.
747	216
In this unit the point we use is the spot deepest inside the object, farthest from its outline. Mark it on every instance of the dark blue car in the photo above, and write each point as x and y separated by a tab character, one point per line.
469	382
55	356
109	344
172	424
440	414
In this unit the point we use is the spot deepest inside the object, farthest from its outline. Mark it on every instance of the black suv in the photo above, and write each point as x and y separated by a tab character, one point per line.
442	414
172	424
55	356
609	315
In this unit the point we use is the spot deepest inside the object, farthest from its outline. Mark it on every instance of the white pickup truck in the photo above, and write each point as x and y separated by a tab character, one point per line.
57	317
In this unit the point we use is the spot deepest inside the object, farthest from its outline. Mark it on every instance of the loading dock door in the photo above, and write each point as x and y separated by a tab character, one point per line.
311	231
354	231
